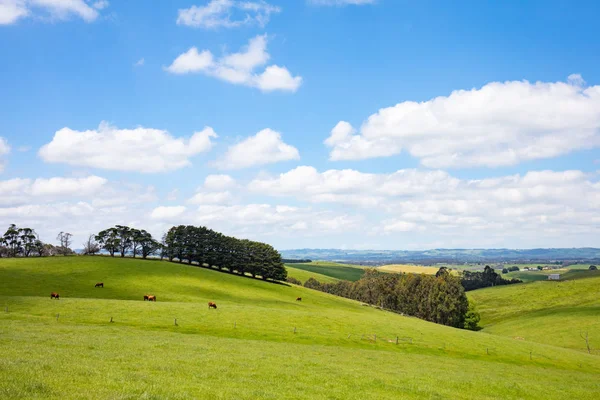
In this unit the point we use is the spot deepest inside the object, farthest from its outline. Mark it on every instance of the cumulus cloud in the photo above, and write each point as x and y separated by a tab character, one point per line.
238	68
141	149
164	212
499	124
227	14
265	147
532	206
211	198
13	10
4	150
219	182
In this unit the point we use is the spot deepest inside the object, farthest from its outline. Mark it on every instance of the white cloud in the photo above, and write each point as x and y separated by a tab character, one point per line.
265	147
227	14
139	62
219	182
340	2
238	68
67	186
535	207
141	149
13	10
497	125
4	150
211	198
167	213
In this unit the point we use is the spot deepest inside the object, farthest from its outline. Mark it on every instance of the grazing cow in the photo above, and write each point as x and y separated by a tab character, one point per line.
99	284
212	305
145	297
151	298
54	295
298	298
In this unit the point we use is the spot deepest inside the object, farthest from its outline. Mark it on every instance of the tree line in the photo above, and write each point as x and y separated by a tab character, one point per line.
25	242
193	245
477	280
437	298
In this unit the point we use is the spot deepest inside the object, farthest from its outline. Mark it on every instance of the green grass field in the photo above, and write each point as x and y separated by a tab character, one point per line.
247	348
334	270
547	312
303	275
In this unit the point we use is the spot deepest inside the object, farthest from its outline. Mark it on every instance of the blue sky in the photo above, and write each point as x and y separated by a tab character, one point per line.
386	124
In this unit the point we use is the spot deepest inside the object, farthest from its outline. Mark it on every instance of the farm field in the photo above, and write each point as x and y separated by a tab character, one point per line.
410	269
247	348
304	275
334	270
547	312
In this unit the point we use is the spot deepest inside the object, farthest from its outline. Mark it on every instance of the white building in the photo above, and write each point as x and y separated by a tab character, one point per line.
554	277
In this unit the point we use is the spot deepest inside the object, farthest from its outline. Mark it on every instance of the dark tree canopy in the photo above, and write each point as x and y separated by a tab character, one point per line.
439	298
199	244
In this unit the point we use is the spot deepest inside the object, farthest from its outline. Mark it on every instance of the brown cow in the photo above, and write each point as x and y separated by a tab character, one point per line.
145	297
99	284
54	295
212	305
151	298
298	298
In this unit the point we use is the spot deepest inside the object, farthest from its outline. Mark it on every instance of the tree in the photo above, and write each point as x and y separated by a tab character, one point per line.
504	271
125	238
91	246
108	240
28	240
146	243
443	271
65	241
593	268
12	240
472	318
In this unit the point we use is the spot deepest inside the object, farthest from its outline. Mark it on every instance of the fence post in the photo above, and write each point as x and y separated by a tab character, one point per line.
396	339
175	321
57	316
530	355
111	319
487	351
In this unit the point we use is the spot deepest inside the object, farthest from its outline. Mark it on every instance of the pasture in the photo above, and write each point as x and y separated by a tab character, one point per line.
410	269
544	311
303	275
259	343
346	272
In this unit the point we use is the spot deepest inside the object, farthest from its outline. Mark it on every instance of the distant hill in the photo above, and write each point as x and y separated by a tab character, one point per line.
379	257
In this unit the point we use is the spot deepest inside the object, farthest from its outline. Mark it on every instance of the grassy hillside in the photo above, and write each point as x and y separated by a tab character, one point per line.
247	348
544	311
568	273
303	275
335	270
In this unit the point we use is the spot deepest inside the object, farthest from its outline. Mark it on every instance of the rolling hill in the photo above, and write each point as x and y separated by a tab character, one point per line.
259	343
331	269
544	311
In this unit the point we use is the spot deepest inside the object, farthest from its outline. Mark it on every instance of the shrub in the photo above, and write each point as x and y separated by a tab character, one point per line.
593	268
293	280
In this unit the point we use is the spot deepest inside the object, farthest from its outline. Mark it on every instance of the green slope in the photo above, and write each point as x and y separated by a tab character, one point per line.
544	311
303	275
335	270
247	348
